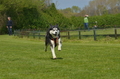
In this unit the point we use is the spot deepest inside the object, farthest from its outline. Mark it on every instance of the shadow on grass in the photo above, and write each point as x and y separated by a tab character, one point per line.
57	58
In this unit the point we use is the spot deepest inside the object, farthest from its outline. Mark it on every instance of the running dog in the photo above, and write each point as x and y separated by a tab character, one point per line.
53	39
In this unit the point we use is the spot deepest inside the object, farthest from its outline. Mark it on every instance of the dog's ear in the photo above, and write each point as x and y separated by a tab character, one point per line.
51	26
56	25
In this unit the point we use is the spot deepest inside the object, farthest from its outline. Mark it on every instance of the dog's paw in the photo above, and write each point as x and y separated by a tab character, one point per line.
59	49
54	58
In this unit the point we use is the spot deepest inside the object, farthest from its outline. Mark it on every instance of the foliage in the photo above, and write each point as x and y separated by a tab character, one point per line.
104	21
39	14
101	7
33	14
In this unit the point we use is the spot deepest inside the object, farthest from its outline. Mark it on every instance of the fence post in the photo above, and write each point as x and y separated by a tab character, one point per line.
28	34
94	31
33	34
79	34
115	33
68	35
39	34
14	32
19	33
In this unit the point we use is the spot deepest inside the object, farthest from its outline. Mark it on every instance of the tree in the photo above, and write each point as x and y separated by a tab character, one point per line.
48	2
101	7
75	9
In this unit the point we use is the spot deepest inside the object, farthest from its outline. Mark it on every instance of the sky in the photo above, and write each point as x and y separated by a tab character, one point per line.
62	4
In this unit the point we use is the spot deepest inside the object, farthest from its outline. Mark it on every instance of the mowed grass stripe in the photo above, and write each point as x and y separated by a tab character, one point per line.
26	59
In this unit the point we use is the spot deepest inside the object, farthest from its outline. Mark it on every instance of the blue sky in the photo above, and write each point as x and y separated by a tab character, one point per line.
62	4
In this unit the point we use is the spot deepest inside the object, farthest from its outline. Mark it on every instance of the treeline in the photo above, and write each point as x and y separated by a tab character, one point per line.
94	8
39	14
30	14
104	21
105	12
101	7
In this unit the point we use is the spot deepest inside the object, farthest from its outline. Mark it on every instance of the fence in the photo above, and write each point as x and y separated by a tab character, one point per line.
112	32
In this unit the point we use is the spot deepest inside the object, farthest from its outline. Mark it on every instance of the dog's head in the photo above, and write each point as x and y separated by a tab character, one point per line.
54	31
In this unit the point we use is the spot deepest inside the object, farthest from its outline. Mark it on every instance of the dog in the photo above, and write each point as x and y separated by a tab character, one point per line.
53	39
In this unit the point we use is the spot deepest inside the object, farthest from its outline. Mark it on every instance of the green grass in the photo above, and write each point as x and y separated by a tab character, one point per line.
23	58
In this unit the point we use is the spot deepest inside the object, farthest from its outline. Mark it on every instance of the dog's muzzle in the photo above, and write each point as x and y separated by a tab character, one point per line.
56	34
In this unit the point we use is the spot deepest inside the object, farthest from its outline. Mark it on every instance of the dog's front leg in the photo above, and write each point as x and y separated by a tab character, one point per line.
59	44
53	49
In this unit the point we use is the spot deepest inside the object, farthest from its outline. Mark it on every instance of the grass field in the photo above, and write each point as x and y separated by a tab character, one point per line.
23	58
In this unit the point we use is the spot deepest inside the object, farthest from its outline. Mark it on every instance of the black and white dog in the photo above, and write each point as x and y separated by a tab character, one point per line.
53	38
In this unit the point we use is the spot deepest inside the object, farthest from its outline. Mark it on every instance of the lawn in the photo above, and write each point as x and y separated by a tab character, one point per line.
23	58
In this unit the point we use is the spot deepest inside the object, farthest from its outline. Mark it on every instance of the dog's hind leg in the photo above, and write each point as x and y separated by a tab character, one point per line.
53	49
46	44
59	44
46	48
